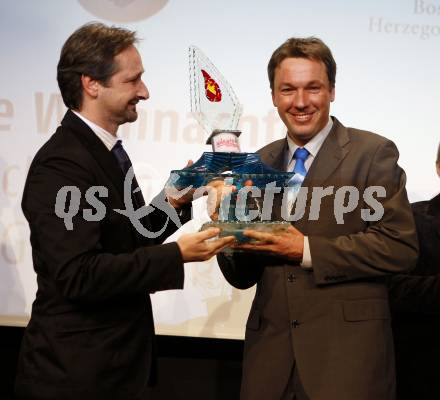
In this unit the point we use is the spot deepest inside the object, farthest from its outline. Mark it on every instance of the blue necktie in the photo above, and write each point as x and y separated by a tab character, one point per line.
300	157
122	157
125	164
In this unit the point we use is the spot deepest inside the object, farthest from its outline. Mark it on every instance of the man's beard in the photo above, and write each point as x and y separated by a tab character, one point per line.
130	114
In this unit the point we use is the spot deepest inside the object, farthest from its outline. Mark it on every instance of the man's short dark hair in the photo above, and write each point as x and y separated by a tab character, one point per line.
311	48
90	51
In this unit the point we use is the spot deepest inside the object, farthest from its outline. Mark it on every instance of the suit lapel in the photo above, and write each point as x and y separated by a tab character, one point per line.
434	206
94	145
106	160
332	152
275	158
434	211
330	155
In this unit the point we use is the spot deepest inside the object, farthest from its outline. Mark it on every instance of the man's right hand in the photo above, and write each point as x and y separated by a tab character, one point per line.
195	247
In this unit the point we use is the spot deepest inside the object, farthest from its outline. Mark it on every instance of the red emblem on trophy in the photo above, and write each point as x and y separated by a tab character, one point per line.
212	89
213	103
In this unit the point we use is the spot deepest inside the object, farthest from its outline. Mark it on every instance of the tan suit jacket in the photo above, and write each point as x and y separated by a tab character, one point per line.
331	324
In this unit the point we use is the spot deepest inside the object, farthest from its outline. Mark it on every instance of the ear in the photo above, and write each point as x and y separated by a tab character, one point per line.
90	86
332	94
438	168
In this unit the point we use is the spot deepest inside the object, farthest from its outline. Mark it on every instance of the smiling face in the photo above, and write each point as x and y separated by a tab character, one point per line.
118	98
302	94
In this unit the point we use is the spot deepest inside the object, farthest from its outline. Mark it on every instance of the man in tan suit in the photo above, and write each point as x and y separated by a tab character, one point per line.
319	326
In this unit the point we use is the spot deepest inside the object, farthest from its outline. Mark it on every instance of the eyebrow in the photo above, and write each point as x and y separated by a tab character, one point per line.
138	75
314	82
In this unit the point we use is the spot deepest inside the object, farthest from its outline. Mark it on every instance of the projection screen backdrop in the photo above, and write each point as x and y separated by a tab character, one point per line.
388	56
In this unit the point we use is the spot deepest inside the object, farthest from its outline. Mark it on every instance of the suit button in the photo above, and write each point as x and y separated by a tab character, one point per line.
295	323
291	278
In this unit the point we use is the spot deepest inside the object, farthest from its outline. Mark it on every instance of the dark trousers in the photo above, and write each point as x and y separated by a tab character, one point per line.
294	389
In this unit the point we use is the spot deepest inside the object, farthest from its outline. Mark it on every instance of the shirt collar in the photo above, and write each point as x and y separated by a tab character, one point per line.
106	137
313	145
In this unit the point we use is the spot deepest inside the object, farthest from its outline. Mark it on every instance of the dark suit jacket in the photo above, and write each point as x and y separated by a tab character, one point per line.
91	330
415	305
333	323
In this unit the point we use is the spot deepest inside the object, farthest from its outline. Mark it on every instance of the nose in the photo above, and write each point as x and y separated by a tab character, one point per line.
143	93
301	99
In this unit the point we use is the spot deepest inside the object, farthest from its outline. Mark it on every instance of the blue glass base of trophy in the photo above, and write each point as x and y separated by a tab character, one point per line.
236	169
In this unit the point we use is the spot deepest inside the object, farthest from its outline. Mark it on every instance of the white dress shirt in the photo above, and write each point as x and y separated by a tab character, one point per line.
312	147
106	137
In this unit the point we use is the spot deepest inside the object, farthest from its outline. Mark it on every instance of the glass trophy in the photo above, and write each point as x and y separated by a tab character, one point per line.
217	109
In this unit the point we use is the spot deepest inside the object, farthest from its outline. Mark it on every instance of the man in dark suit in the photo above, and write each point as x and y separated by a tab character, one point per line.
415	307
319	326
91	332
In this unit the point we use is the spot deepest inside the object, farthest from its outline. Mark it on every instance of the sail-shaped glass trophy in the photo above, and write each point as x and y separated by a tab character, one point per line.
217	109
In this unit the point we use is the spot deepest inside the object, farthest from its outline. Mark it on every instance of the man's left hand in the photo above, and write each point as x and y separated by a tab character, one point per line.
288	244
180	201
